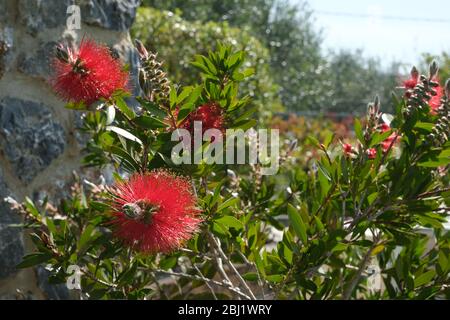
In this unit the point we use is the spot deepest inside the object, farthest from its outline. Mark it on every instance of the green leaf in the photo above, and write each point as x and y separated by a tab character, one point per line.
439	162
248	72
125	157
149	122
228	203
124	134
152	108
313	141
184	94
245	124
378	137
127	275
358	131
319	224
377	249
220	230
276	278
297	223
173	98
339	247
424	278
427	126
31	207
250	276
168	263
34	259
123	107
231	222
85	237
76	106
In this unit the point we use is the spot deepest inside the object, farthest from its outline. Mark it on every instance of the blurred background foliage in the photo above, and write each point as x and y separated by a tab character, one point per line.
177	41
283	44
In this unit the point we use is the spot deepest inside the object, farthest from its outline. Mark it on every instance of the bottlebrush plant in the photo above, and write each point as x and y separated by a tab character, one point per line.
366	220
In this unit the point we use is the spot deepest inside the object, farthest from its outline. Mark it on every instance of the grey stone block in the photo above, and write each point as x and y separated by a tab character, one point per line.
37	15
11	242
116	15
38	63
29	137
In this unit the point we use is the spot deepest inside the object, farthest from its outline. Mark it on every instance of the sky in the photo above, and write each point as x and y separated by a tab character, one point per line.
398	30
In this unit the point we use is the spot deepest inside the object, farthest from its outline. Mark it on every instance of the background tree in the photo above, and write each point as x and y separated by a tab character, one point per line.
178	41
308	79
284	29
354	80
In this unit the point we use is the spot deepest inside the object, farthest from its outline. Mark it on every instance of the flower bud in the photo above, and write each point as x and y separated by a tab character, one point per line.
414	73
143	53
433	69
447	88
376	102
62	54
142	78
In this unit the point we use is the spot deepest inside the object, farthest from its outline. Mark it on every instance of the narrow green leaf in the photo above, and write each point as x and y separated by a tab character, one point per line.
227	203
424	278
231	222
297	223
34	259
124	134
358	131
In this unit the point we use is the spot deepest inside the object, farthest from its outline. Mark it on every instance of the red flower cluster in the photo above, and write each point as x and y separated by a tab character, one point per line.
155	212
390	140
348	149
371	153
412	82
210	115
435	100
87	75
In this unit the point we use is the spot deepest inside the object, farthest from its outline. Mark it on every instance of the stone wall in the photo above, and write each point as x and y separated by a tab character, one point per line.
39	144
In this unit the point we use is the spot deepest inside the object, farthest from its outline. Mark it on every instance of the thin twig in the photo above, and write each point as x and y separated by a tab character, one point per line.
91	276
205	280
230	264
355	280
197	254
433	192
217	283
252	264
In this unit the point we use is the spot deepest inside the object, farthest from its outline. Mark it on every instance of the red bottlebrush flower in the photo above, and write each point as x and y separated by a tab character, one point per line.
371	153
410	83
347	148
155	212
384	127
387	143
210	115
88	74
435	100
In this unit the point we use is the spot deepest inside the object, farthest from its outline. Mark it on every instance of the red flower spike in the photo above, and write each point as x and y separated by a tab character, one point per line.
347	148
435	100
410	83
371	153
155	212
384	127
88	74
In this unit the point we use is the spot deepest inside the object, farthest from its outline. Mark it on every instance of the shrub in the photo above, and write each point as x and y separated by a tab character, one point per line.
360	212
